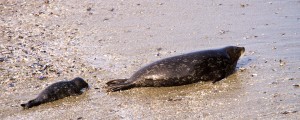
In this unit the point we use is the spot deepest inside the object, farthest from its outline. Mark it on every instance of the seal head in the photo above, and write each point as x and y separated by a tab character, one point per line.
80	83
234	52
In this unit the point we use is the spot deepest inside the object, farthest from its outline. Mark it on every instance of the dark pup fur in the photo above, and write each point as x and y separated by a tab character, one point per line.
57	91
207	65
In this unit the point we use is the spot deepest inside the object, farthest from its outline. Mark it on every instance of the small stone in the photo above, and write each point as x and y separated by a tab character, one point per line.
111	110
46	1
246	37
2	59
159	49
112	9
253	75
274	83
89	9
105	19
296	85
174	99
221	32
244	5
21	37
11	85
287	112
276	95
42	77
281	62
291	78
242	69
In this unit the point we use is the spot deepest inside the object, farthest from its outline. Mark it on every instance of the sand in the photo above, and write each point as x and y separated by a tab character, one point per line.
42	42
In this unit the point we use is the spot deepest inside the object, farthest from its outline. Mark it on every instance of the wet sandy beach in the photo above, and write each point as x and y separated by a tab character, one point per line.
42	42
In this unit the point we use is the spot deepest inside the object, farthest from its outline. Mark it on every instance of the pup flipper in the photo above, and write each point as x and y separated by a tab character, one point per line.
30	104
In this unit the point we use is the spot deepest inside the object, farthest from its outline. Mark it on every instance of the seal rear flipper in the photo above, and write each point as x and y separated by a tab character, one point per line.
23	105
116	81
113	88
30	104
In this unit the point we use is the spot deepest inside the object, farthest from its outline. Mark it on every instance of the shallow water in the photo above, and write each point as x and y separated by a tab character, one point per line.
100	41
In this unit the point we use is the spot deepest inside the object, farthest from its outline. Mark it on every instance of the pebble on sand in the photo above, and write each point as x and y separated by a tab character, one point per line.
2	59
296	85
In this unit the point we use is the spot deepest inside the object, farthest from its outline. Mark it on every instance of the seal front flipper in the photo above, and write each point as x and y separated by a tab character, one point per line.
116	81
220	77
30	104
216	81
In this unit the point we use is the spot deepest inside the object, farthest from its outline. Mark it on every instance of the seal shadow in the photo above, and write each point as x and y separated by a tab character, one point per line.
192	91
244	61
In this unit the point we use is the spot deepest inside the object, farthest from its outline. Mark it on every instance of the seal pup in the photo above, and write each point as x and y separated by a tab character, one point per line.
57	91
207	65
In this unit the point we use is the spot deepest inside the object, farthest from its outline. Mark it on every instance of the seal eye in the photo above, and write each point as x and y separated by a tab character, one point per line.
235	50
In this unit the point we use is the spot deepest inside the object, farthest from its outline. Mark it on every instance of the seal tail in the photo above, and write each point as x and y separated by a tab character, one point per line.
118	85
30	104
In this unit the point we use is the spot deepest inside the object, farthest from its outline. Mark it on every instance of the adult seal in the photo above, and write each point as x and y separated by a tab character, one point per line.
208	65
57	91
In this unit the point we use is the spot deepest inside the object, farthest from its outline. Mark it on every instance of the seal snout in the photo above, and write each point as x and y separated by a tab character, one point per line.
242	50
